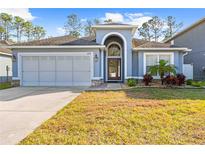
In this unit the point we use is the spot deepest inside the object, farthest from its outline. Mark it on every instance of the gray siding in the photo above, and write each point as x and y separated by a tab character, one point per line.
194	39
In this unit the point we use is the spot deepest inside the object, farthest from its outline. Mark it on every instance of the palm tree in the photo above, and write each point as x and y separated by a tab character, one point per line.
163	67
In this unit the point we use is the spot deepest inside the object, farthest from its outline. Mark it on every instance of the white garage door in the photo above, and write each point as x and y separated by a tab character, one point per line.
56	71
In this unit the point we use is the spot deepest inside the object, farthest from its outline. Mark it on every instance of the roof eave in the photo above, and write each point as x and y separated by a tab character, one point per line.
56	46
6	54
160	49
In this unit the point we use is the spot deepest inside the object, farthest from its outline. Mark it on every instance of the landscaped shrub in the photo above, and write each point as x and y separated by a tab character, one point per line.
131	82
189	82
198	83
180	79
147	78
170	80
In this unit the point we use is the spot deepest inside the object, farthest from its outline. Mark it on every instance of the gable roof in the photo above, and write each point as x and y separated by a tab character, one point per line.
186	30
60	41
5	51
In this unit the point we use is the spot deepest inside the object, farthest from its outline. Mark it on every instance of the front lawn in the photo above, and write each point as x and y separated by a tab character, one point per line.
5	85
136	116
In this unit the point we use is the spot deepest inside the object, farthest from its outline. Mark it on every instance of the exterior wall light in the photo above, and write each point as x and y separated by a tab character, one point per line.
96	57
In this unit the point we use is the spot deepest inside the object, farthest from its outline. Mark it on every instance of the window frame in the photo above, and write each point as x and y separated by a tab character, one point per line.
158	54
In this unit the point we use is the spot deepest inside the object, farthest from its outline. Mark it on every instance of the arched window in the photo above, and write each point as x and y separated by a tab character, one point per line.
114	50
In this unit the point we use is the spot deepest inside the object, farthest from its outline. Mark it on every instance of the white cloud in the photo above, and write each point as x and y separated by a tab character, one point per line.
60	31
116	17
21	12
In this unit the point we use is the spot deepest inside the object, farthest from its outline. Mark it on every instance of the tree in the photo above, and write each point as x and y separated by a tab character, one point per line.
156	26
162	68
73	25
38	32
18	26
27	30
6	23
108	21
172	26
89	31
145	31
2	31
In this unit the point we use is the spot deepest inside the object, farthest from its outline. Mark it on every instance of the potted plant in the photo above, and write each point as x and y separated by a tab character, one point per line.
147	78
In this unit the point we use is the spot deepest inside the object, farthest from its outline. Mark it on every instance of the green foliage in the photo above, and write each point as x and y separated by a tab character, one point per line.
17	27
198	83
189	82
5	85
73	25
132	82
162	68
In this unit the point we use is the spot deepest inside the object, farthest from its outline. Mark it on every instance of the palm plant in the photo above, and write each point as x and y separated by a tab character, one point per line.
163	68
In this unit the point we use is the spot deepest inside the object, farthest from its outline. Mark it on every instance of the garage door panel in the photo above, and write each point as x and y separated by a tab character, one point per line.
30	76
47	63
30	63
64	76
47	76
81	63
64	63
56	71
81	76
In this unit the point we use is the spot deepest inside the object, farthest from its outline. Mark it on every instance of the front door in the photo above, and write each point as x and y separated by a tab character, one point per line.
114	69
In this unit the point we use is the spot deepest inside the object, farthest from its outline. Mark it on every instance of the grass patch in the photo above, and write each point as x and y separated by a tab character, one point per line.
136	116
196	83
5	85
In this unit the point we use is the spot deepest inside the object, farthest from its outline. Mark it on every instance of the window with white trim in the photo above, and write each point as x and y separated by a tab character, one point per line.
153	59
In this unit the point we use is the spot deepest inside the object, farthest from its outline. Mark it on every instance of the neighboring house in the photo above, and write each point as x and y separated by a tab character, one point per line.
193	37
112	56
5	62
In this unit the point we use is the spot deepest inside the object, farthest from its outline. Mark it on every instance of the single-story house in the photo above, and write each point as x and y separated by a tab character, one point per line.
5	62
193	37
113	55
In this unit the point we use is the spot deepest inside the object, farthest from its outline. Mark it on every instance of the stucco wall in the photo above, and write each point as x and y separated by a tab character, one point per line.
5	61
138	68
100	34
194	39
95	51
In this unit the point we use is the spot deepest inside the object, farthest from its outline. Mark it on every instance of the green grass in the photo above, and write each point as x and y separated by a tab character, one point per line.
136	116
5	85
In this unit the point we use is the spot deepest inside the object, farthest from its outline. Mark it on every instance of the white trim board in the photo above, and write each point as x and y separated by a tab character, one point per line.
125	48
156	53
161	49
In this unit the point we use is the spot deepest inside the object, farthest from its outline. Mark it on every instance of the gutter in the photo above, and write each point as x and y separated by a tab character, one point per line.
160	49
57	47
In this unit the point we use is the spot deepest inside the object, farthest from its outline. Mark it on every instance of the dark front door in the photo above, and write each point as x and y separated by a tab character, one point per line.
114	69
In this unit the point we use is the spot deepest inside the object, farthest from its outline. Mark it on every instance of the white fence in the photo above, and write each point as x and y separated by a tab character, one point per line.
188	71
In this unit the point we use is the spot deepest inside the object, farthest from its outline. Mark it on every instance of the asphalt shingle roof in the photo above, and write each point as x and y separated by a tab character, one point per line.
69	40
4	50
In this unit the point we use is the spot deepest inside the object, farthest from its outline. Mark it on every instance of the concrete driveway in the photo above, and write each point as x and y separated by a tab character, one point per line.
22	109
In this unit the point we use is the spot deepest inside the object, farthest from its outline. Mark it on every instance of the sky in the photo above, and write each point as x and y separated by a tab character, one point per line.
53	19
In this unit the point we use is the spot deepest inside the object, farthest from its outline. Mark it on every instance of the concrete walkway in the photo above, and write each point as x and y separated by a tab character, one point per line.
108	86
23	109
